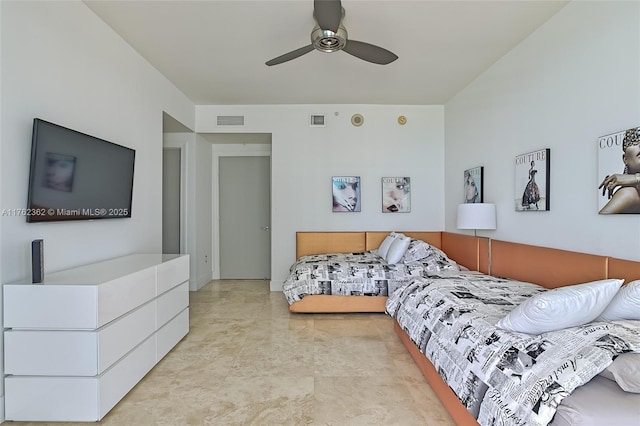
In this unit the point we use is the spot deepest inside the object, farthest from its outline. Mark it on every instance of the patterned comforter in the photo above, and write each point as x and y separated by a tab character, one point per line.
503	378
361	273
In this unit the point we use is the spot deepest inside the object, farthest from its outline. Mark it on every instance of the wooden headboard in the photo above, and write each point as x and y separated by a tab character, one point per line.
346	242
469	251
329	242
545	266
627	269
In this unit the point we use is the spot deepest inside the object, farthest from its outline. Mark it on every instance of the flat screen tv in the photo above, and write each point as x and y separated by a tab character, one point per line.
74	176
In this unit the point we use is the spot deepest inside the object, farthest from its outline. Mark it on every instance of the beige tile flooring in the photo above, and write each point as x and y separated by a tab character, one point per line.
248	361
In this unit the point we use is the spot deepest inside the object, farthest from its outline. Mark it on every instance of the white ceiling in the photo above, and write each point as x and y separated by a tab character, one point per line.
215	51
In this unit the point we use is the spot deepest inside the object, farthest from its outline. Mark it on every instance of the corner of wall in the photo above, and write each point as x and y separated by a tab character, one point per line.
199	282
275	285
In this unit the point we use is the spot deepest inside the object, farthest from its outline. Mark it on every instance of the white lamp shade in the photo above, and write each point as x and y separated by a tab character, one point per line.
477	216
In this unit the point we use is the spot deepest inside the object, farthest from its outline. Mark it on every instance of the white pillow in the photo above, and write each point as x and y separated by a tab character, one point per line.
561	307
397	250
625	304
386	244
625	371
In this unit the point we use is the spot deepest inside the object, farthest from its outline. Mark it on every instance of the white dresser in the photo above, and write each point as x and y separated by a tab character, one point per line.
76	344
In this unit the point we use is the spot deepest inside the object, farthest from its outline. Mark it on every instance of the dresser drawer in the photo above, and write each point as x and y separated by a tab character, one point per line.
171	273
78	306
76	399
169	335
171	303
76	352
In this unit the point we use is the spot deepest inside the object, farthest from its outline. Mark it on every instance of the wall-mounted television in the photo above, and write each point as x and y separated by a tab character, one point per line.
74	176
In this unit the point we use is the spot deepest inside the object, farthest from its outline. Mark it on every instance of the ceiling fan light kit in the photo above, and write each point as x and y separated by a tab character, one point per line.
329	35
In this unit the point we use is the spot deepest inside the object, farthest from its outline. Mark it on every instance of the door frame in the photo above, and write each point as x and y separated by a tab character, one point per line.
215	198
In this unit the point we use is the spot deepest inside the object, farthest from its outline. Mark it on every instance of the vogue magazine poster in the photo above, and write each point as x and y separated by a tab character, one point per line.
396	194
473	185
618	165
532	181
346	193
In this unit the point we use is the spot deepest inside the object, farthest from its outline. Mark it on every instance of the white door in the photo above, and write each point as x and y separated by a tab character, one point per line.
245	220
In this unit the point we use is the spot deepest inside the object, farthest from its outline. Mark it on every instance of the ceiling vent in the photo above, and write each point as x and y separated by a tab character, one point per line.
231	120
316	120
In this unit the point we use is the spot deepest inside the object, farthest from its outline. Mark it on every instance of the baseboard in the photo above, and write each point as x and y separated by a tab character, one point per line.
275	285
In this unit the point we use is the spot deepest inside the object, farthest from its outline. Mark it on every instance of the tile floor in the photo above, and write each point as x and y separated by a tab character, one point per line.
248	361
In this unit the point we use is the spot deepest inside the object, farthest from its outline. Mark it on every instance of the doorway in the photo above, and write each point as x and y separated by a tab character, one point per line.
244	217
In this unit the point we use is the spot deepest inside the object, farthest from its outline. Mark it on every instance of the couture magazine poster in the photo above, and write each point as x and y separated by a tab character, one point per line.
396	194
532	181
618	163
346	193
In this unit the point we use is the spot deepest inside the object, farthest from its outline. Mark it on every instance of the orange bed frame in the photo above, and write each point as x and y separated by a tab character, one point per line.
545	266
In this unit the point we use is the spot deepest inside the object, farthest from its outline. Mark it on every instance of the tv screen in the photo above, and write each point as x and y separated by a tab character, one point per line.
74	176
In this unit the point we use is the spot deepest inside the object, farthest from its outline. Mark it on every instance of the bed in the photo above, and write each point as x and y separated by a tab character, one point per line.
486	375
341	272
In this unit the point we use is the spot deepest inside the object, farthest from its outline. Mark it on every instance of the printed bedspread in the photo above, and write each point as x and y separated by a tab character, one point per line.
503	378
361	273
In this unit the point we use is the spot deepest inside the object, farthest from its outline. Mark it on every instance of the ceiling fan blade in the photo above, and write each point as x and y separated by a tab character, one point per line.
328	14
369	52
291	55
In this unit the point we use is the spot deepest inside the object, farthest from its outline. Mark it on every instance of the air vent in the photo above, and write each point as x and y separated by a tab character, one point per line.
316	120
231	120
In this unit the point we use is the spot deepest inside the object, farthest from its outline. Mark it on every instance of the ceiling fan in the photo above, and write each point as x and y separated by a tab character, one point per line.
330	36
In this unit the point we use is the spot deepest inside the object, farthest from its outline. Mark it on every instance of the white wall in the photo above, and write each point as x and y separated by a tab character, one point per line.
185	142
61	63
305	158
203	208
573	80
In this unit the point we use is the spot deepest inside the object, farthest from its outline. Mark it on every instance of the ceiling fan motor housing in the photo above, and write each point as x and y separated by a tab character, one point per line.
327	40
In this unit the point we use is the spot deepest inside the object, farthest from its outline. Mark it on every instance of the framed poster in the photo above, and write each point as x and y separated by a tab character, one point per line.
532	181
473	185
396	194
346	193
618	165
